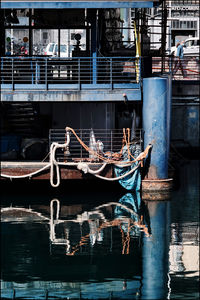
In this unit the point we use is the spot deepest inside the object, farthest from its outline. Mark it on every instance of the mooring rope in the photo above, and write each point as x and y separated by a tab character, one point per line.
29	175
54	164
119	177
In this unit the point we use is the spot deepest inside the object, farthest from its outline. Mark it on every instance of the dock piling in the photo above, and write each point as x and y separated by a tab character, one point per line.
156	119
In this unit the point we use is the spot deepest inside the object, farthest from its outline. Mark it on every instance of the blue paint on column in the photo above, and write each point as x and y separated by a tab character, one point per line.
156	123
169	109
169	102
94	46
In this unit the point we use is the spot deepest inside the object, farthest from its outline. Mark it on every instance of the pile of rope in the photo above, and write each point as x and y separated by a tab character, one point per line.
106	158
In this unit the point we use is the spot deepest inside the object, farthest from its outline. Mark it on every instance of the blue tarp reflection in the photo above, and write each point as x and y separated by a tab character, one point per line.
131	201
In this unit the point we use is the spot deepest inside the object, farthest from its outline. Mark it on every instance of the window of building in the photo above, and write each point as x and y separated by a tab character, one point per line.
42	38
184	2
184	13
16	17
17	42
46	41
175	14
184	24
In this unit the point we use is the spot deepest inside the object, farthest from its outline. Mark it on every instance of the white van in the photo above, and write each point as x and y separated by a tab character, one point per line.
191	47
52	50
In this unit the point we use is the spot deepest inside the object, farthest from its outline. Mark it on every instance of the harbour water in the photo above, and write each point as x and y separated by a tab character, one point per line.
95	241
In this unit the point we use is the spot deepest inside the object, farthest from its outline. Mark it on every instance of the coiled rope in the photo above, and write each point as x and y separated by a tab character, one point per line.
85	168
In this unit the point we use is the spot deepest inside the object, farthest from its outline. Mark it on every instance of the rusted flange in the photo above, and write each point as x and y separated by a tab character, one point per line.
157	189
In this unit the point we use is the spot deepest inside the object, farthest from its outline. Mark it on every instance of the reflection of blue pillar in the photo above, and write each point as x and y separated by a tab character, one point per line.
156	123
155	253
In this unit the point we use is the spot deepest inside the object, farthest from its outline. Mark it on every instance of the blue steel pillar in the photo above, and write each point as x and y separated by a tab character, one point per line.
94	45
156	123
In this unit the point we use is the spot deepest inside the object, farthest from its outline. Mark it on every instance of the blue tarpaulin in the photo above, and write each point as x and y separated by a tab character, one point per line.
131	182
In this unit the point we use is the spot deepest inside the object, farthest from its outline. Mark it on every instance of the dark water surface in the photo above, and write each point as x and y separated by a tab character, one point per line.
84	242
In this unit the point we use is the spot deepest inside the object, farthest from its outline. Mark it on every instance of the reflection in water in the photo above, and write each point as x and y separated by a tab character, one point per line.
126	249
155	253
92	226
184	249
94	252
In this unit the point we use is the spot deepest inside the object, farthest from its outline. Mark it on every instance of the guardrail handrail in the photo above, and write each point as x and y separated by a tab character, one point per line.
107	140
72	70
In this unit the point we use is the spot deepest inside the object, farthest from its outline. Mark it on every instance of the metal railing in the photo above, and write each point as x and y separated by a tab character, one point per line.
103	140
79	72
188	68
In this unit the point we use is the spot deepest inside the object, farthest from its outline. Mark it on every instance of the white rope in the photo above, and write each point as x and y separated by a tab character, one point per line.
26	175
120	177
86	169
81	166
53	162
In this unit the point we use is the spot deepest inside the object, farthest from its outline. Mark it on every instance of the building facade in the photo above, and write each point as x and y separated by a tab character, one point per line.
184	19
182	22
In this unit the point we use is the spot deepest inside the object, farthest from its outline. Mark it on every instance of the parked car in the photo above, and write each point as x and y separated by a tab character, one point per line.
52	50
191	47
